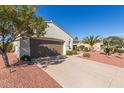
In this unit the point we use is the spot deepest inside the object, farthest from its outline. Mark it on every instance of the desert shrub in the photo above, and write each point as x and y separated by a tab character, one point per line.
25	58
115	50
69	52
107	51
9	47
86	49
77	48
82	47
120	51
85	54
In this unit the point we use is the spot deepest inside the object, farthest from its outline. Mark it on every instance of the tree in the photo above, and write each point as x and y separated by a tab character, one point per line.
39	26
112	43
17	22
76	38
92	40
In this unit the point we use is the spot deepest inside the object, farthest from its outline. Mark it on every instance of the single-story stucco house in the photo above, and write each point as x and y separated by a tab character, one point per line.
55	42
97	46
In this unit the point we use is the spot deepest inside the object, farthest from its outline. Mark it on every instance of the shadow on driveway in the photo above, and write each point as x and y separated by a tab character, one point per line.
46	61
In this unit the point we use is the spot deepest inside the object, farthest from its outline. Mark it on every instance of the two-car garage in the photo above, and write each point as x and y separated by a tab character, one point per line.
40	47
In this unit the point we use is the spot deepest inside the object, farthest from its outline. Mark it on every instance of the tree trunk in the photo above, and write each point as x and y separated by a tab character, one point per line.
92	49
5	59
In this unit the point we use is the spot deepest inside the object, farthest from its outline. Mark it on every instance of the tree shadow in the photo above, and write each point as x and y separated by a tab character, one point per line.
102	53
119	56
19	63
52	60
43	55
44	51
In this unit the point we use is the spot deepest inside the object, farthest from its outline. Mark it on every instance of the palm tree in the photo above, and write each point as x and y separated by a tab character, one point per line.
91	40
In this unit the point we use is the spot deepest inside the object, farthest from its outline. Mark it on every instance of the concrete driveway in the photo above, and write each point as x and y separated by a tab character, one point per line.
76	72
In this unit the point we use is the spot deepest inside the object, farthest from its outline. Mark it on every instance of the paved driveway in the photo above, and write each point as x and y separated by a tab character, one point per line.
76	72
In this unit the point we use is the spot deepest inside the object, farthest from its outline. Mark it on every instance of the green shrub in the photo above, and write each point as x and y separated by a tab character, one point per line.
86	49
85	54
9	47
77	48
25	58
115	50
120	51
107	51
69	52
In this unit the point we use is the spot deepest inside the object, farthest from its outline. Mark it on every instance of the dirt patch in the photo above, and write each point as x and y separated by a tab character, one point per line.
114	59
25	76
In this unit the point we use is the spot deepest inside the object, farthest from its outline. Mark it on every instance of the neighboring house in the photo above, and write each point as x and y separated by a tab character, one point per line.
55	42
75	43
97	46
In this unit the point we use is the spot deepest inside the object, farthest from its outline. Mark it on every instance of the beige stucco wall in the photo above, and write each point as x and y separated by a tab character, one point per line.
97	46
54	31
86	45
16	47
21	47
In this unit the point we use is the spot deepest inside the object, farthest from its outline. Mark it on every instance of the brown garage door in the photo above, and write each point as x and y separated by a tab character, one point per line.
42	47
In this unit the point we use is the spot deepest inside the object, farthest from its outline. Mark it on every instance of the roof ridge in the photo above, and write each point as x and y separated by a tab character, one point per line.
50	21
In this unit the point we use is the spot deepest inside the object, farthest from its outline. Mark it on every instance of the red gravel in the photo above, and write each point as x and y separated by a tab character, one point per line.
114	59
25	76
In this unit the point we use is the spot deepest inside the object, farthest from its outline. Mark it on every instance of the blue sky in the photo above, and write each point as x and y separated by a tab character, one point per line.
85	20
